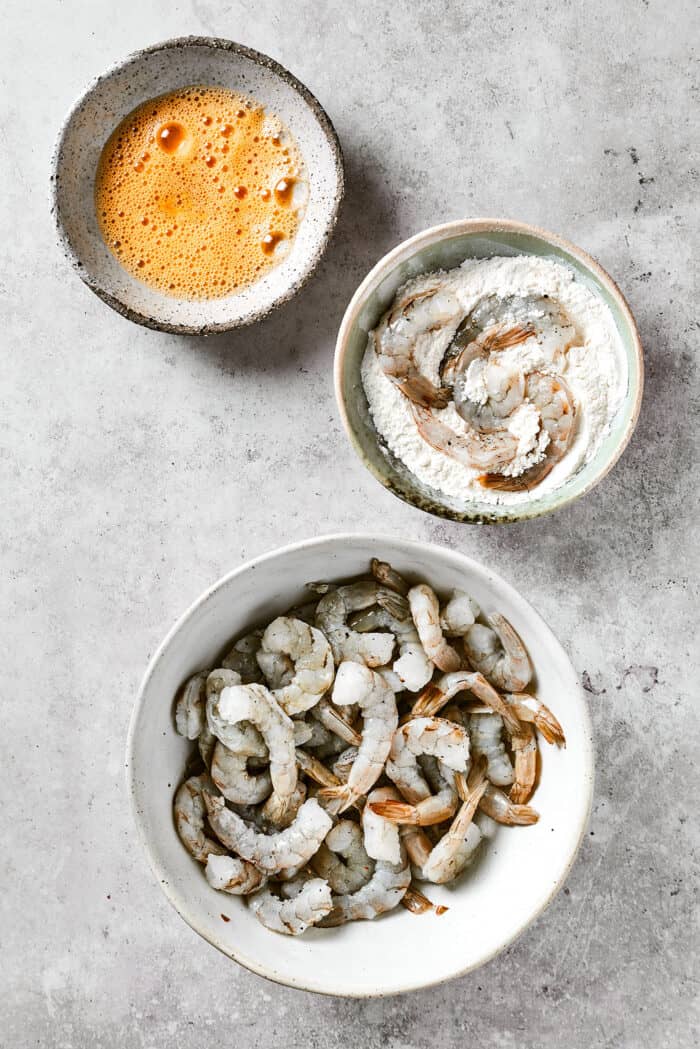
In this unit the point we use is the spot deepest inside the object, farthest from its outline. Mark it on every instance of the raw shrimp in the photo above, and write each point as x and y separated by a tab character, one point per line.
309	901
434	737
557	409
355	683
531	709
486	736
525	755
382	893
497	652
190	708
478	451
381	837
458	614
438	694
425	610
504	386
451	854
190	814
311	657
388	576
413	315
500	808
241	657
373	649
342	859
231	774
270	853
256	705
412	666
233	875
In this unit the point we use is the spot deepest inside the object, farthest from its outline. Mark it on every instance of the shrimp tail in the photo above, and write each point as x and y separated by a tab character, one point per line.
339	798
396	811
550	728
388	576
429	702
522	816
418	903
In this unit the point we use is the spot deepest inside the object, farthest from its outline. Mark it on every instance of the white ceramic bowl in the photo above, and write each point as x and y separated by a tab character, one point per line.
398	952
444	247
155	71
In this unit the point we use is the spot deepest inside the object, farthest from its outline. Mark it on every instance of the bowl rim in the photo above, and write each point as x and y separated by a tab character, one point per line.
257	314
443	231
179	901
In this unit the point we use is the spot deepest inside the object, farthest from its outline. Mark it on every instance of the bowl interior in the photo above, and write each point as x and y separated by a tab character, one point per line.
445	251
400	951
154	72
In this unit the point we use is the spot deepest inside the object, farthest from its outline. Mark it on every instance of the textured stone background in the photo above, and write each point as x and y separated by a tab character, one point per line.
138	467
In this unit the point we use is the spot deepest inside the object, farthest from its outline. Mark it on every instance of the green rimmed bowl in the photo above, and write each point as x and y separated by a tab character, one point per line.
445	247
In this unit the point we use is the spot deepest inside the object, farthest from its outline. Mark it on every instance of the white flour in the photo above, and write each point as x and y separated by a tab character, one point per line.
594	370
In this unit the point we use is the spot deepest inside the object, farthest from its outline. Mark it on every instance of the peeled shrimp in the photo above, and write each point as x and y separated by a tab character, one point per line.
310	902
435	737
458	614
497	652
478	451
190	813
342	859
486	736
355	683
233	875
412	666
381	836
190	707
382	893
231	774
334	608
454	850
312	661
270	853
255	704
500	808
414	315
425	610
438	694
557	409
531	709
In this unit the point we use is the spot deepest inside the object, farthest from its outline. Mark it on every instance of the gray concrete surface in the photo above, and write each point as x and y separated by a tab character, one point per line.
138	467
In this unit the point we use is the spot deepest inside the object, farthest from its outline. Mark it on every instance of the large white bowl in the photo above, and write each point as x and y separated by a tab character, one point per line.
517	875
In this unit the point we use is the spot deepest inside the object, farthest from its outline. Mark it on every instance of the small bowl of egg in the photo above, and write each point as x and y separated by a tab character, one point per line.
195	185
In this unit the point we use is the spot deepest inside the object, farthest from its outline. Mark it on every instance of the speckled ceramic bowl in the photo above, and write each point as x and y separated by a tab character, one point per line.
155	71
444	247
507	887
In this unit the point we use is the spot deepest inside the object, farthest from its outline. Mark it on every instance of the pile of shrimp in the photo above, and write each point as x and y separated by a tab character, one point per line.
364	743
484	441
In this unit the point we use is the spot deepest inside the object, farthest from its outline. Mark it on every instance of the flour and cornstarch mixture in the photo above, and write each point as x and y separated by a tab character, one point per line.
497	380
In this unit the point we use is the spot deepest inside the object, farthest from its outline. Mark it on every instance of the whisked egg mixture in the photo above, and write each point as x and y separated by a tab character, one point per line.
200	192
